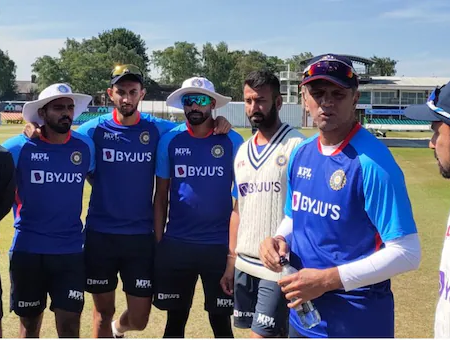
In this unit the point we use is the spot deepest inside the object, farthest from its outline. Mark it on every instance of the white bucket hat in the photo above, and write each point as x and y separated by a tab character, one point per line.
196	85
55	91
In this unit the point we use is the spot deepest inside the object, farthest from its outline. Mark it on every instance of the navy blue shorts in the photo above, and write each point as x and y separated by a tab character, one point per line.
35	275
260	305
177	268
132	256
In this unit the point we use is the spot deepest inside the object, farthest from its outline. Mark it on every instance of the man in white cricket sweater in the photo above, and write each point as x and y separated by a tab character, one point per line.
260	168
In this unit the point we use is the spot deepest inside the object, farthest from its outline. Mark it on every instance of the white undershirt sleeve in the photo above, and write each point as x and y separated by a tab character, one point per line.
400	255
285	229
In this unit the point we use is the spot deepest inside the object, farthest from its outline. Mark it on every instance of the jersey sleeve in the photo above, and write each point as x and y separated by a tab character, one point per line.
386	198
236	140
90	143
163	125
162	156
87	129
14	146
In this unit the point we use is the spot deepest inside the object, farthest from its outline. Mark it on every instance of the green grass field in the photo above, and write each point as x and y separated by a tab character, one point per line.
415	293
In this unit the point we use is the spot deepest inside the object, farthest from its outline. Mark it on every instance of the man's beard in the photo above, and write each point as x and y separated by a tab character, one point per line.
444	172
195	117
265	121
62	126
127	110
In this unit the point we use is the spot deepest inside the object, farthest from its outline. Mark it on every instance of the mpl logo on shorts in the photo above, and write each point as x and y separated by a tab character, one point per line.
25	304
112	155
41	177
265	320
39	157
76	295
225	302
163	296
183	171
143	284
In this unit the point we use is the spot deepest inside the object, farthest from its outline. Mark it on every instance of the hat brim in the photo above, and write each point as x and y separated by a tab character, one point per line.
333	80
130	76
30	109
423	112
174	99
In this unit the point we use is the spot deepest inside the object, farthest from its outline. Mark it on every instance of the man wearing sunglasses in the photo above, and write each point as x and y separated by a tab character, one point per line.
47	251
437	111
196	168
119	225
348	217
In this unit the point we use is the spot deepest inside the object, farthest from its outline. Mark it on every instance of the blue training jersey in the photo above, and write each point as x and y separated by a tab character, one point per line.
50	181
201	173
122	188
344	207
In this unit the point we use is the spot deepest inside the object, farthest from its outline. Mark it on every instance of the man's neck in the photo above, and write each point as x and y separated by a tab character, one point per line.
265	134
53	137
203	130
336	136
127	120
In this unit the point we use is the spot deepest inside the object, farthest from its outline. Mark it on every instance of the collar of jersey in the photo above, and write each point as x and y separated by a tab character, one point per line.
116	120
189	130
344	143
42	138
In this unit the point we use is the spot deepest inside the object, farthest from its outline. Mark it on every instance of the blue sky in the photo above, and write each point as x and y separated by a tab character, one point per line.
411	31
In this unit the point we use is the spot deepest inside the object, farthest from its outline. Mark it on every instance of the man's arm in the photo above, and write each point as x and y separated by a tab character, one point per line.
227	281
7	183
234	226
160	206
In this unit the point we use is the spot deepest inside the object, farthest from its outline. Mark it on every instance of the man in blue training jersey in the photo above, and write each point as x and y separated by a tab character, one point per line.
47	250
196	167
347	215
119	224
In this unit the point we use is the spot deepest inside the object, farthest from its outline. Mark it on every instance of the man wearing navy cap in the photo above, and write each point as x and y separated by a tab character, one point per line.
348	218
437	111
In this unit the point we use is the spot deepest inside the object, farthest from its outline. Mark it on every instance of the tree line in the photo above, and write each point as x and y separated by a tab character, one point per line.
86	64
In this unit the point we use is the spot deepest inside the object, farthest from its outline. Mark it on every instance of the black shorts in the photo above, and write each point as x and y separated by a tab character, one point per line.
177	267
259	305
106	255
35	275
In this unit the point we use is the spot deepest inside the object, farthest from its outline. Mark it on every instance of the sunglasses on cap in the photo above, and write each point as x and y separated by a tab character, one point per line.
121	70
199	99
432	99
334	68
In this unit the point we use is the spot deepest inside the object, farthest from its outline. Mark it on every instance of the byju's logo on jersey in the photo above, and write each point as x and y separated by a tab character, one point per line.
183	171
253	188
39	157
41	177
315	206
304	172
182	152
76	157
111	156
217	151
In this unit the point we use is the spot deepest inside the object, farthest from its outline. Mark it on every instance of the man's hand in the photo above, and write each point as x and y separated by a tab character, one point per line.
32	130
221	126
227	280
270	251
308	284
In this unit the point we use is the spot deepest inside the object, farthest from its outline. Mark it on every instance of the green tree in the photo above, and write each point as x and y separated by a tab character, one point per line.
217	66
383	66
297	62
8	86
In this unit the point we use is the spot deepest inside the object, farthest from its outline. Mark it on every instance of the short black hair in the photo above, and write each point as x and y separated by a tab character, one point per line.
257	79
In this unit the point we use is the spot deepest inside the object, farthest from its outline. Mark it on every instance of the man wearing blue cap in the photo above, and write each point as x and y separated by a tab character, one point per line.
348	218
437	110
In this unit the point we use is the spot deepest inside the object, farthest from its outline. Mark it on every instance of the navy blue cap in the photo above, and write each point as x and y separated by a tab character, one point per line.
333	68
436	109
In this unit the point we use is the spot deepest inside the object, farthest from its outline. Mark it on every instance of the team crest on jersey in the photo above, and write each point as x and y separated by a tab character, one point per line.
217	151
281	160
76	158
338	180
144	137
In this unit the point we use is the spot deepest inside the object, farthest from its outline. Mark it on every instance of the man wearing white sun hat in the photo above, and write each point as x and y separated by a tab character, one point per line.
47	250
196	167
